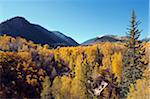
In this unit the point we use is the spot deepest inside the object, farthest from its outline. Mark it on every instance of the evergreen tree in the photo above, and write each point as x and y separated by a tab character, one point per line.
87	78
133	60
87	73
98	57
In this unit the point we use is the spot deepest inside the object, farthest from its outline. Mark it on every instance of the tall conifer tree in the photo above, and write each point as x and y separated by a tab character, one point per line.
133	60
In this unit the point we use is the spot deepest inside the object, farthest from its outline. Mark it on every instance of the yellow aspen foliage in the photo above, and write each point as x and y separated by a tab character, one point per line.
24	55
107	51
91	54
76	89
46	92
66	69
117	65
56	87
66	87
4	42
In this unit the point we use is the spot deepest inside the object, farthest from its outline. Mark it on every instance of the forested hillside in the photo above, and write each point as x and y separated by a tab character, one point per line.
102	70
32	71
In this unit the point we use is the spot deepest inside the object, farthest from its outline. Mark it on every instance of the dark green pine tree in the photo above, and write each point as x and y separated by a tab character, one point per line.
133	60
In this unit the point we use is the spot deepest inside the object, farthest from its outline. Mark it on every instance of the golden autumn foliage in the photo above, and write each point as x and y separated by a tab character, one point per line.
66	86
117	65
30	63
56	87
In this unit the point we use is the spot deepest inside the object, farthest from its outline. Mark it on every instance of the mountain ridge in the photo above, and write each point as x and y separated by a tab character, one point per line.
110	38
105	38
19	26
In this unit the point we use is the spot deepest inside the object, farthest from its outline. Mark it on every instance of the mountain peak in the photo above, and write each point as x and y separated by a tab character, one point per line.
17	20
19	26
105	38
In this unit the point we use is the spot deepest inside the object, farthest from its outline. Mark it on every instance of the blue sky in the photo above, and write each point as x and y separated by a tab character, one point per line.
79	19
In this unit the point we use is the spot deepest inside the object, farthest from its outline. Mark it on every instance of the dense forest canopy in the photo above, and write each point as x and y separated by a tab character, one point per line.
26	67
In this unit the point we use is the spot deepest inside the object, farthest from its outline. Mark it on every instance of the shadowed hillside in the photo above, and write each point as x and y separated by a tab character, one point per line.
19	26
